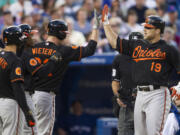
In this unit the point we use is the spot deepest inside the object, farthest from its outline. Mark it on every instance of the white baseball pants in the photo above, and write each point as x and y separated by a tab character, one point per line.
11	117
151	111
45	111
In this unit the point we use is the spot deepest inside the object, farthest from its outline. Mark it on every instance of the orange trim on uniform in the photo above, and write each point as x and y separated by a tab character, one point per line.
18	120
120	45
162	123
37	69
32	130
80	55
53	115
143	59
45	61
178	72
50	75
74	47
17	79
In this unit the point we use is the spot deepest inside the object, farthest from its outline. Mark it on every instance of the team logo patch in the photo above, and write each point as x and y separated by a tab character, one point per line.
33	62
18	71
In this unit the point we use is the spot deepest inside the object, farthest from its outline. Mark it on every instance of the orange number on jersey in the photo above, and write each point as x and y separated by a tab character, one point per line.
155	67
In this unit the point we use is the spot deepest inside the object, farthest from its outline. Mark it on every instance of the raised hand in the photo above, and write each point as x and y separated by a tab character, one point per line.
105	15
96	20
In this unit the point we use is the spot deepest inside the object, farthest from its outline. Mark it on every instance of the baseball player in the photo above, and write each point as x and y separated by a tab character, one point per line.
154	61
12	97
30	66
122	86
46	87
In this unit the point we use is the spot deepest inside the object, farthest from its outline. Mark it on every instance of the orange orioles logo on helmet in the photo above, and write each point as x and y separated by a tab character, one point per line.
33	62
18	71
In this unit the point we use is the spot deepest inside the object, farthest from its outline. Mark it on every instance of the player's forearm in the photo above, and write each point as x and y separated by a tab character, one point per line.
115	87
94	35
111	35
19	94
89	49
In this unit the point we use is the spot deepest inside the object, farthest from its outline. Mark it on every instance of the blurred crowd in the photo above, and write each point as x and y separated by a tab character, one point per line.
126	16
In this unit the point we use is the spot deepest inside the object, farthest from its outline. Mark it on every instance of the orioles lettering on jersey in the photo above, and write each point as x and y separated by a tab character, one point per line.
3	63
148	54
44	51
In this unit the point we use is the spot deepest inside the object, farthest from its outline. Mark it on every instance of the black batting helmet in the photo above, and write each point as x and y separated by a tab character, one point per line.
12	35
135	36
154	21
27	29
58	29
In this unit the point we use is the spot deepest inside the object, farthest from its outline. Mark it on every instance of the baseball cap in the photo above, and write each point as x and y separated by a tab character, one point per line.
171	9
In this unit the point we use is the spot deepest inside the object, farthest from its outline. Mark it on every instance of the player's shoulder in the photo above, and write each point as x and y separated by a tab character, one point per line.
121	56
44	44
10	57
168	46
118	58
67	48
135	41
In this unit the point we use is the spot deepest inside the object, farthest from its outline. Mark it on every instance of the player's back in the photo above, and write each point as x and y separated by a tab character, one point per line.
49	82
8	65
44	50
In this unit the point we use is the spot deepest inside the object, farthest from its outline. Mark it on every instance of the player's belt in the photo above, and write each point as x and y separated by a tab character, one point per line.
148	87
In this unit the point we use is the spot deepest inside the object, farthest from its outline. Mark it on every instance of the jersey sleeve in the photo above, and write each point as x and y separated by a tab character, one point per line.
125	46
75	53
174	58
115	70
16	71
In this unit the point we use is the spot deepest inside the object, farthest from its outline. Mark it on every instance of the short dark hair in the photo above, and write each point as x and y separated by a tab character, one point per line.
131	12
6	12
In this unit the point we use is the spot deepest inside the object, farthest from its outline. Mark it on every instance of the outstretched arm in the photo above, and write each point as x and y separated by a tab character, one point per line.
110	34
76	53
96	24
